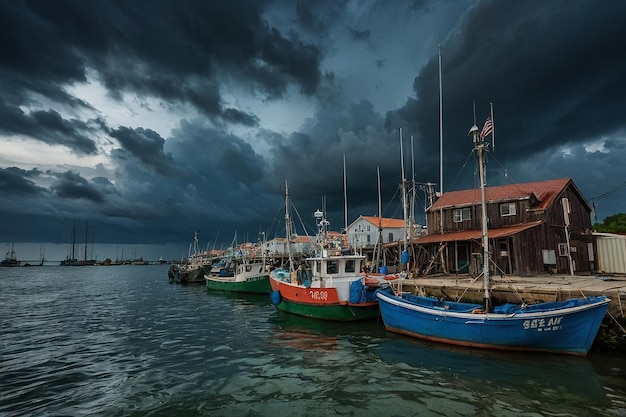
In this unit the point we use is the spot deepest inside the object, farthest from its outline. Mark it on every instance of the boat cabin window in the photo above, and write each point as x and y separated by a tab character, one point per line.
350	267
332	267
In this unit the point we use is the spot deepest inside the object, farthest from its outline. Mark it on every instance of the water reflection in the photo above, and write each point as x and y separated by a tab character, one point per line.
543	383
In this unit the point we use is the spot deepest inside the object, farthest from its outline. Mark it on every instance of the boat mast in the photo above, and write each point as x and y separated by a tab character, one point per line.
379	239
480	145
404	258
440	145
413	190
345	197
86	229
288	227
74	240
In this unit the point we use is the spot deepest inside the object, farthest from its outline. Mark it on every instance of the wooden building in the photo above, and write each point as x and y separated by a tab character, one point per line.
534	228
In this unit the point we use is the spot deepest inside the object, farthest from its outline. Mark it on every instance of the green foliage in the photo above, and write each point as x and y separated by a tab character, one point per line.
612	224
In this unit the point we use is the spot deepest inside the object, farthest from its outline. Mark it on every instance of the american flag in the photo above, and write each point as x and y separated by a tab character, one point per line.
487	128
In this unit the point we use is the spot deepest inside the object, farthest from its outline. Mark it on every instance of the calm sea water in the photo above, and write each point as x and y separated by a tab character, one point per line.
122	341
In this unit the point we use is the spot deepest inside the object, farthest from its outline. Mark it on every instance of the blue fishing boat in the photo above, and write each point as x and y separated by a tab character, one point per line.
568	326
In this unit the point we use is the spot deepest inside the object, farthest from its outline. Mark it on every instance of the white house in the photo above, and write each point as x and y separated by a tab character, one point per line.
363	232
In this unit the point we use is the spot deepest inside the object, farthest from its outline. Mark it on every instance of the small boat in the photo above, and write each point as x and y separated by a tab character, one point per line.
10	258
192	269
249	276
188	272
568	327
331	287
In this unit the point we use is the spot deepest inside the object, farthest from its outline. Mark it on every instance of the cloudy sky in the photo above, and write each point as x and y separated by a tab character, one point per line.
151	119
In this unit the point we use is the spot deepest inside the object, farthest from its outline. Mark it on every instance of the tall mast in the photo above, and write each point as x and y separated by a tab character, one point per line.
345	196
86	228
413	189
440	128
288	227
404	257
379	239
74	240
480	146
440	143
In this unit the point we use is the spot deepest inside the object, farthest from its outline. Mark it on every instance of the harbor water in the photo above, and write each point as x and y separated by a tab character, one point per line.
123	341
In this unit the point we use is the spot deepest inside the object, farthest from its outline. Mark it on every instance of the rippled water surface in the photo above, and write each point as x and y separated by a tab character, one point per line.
122	341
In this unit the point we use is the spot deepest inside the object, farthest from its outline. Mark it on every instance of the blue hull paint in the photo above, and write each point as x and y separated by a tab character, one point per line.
560	327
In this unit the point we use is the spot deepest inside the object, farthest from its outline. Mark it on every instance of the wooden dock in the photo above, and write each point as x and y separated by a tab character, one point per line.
530	289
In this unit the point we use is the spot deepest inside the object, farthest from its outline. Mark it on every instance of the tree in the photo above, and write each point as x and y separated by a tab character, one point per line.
612	224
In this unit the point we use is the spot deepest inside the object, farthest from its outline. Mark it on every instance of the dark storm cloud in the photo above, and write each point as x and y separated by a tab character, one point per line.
71	185
239	117
164	49
147	146
15	181
541	63
49	127
543	67
360	35
217	159
311	160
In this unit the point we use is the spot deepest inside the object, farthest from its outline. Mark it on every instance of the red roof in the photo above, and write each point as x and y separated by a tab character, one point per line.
476	234
385	222
544	191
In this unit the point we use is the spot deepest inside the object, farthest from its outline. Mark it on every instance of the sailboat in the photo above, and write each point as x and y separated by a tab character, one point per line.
71	260
567	327
329	284
192	269
10	259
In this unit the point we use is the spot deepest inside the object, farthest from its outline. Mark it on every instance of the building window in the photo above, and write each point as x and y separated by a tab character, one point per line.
462	214
562	249
507	209
390	237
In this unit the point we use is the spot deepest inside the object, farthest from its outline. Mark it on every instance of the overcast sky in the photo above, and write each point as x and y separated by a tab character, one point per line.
152	119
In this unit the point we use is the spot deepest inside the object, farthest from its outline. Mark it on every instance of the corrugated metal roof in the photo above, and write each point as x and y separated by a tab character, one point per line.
385	222
475	234
544	191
